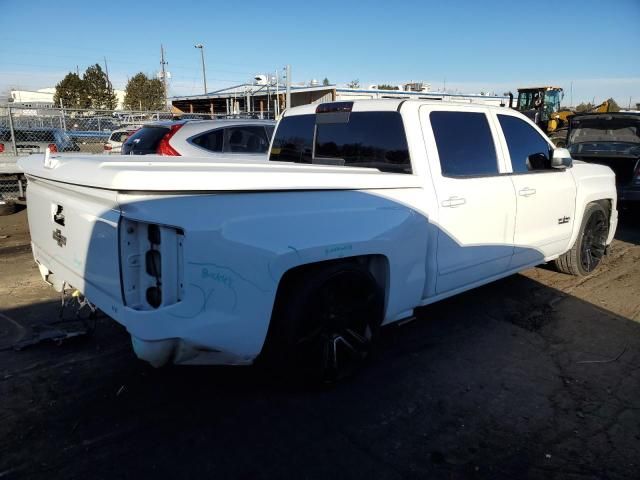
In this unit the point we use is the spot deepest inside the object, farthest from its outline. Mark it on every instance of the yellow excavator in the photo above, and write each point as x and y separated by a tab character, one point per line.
542	105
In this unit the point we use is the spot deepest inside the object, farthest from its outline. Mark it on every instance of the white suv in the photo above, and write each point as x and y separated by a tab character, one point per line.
117	138
201	138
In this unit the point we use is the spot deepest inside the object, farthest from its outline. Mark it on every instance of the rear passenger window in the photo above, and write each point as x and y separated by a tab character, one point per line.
361	139
528	150
246	140
367	139
211	140
293	139
465	144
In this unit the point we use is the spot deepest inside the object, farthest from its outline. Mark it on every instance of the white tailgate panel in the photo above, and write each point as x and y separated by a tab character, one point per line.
84	250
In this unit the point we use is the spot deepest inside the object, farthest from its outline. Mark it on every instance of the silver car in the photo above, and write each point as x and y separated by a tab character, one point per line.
200	138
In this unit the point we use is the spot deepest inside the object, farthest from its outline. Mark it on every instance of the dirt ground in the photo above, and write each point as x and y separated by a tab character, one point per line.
534	376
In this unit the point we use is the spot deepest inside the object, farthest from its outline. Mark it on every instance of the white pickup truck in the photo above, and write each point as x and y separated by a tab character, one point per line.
364	211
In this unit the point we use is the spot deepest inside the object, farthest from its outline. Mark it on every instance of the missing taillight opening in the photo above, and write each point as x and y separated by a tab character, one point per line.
154	296
153	234
153	263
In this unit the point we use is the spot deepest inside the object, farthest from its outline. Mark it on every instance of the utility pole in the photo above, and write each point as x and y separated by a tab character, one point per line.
106	71
571	93
164	75
269	95
288	102
204	72
276	110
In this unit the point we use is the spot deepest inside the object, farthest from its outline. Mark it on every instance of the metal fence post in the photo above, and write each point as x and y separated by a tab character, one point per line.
20	189
13	134
63	121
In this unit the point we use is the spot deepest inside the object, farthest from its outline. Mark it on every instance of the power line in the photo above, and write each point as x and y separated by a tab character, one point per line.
116	55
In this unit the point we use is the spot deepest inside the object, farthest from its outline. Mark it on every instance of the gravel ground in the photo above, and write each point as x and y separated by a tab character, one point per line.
534	376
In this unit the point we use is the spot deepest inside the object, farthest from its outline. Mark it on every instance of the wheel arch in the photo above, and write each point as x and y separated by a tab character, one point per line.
377	264
607	203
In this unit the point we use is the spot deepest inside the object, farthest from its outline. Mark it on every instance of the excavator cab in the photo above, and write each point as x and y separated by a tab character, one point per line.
539	104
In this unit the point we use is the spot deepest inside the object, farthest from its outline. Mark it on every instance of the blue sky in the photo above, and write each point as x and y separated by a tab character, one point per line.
471	45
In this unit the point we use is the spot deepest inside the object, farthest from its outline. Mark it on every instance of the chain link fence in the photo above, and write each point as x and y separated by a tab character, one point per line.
27	131
12	187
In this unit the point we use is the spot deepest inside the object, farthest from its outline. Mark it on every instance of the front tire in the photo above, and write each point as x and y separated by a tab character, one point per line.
589	248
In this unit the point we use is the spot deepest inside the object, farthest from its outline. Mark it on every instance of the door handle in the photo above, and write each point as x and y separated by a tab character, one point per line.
453	202
527	192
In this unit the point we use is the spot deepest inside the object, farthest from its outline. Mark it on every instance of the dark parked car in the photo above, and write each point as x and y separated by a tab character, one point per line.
36	140
611	139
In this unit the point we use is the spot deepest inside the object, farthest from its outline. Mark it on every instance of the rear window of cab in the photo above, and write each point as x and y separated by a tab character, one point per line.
357	139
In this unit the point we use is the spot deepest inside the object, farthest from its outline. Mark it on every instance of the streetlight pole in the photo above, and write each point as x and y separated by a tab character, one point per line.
204	72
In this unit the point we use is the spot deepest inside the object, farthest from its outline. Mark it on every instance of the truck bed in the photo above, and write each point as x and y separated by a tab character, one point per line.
166	174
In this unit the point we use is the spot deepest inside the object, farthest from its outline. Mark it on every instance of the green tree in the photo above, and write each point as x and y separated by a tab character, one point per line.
144	93
584	107
613	105
385	86
325	82
354	83
70	92
99	92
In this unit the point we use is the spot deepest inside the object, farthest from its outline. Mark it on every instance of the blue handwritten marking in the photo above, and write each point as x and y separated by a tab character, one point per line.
236	274
338	249
218	277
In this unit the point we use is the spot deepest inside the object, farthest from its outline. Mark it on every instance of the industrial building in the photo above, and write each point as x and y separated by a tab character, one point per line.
266	98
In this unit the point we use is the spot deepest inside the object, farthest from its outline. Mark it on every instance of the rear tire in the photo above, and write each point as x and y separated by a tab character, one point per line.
588	250
326	323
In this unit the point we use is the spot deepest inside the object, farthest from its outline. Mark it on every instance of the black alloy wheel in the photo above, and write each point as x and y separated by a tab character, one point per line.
593	244
340	323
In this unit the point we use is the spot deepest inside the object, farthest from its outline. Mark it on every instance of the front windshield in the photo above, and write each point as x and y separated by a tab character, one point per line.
602	133
597	130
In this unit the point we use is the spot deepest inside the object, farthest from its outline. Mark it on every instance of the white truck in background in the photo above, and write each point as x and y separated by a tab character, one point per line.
364	211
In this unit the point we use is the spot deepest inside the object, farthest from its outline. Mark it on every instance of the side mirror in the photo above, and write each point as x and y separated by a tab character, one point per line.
561	158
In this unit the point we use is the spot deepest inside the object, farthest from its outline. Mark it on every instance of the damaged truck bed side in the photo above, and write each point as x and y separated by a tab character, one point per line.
365	211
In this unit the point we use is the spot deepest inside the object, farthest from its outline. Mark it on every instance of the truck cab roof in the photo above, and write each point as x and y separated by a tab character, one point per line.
386	104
